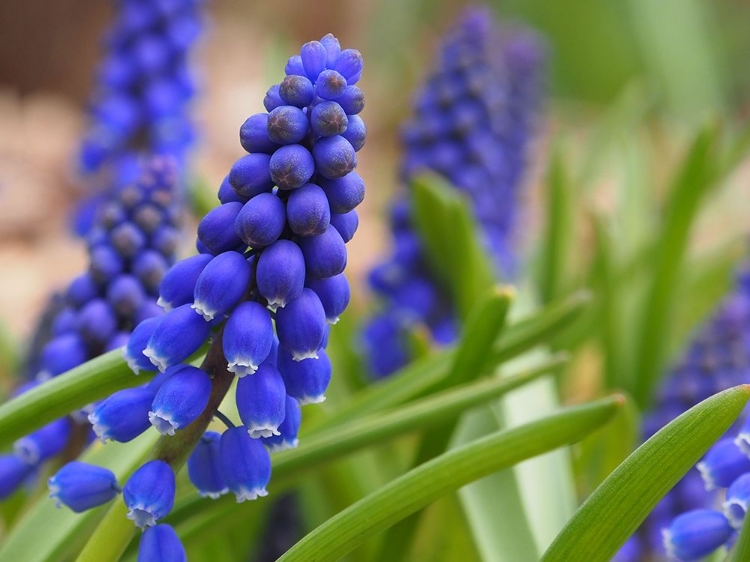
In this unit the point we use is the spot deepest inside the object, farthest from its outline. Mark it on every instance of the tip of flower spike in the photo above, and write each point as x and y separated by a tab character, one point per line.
141	517
162	423
242	368
253	494
256	431
165	304
158	362
302	355
203	310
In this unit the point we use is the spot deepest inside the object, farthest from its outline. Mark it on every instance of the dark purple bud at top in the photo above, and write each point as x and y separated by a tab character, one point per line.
13	471
204	467
333	48
346	224
344	194
288	429
96	322
297	90
161	544
695	534
177	335
356	132
301	325
62	354
325	254
261	220
247	339
260	401
328	119
251	175
352	101
294	66
245	463
125	295
149	493
254	132
307	210
82	486
349	63
44	443
272	99
178	284
123	415
180	400
305	380
330	85
287	125
280	273
314	57
334	294
221	285
137	343
292	166
216	230
334	157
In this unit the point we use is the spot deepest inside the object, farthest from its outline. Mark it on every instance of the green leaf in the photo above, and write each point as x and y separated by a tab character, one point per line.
613	512
444	474
57	397
741	549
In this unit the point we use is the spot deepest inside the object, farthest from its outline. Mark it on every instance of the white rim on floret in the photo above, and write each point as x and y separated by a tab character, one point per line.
735	511
142	516
213	495
668	545
706	475
130	360
163	423
100	430
302	355
743	442
204	311
317	399
283	446
158	362
258	430
164	303
27	450
242	367
253	494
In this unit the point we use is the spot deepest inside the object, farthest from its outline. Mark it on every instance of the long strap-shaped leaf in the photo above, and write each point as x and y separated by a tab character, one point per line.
444	474
613	512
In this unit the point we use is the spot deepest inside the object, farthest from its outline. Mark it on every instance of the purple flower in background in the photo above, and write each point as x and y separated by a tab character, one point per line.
472	122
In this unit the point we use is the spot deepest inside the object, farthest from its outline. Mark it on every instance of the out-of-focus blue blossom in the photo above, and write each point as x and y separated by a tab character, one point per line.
82	486
695	534
472	122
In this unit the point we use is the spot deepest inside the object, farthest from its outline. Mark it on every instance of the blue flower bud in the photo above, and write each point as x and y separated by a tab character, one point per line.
178	285
227	194
260	401
346	224
150	266
254	131
81	290
248	338
328	119
356	132
123	415
349	63
314	57
180	400
82	486
149	493
344	194
251	175
204	467
294	66
334	157
177	335
736	502
723	464
44	443
305	380
297	91
62	354
161	544
280	273
352	101
216	230
13	471
245	464
307	210
301	325
125	295
695	534
105	263
133	353
333	49
330	85
289	428
221	285
325	254
292	166
96	322
272	99
261	220
334	294
287	125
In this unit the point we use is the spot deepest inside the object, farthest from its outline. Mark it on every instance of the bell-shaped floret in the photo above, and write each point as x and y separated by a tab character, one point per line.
305	380
133	353
46	442
289	428
248	337
254	131
346	224
356	132
261	220
260	401
204	467
295	90
216	230
82	486
325	254
245	463
737	500
301	326
177	335
334	157
287	124
334	294
178	285
695	534
345	193
349	63
160	543
180	400
123	415
251	175
723	464
314	56
307	210
330	85
280	274
221	285
292	166
149	493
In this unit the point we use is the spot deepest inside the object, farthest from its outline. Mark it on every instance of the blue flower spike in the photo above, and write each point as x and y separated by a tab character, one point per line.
81	486
149	493
160	543
696	534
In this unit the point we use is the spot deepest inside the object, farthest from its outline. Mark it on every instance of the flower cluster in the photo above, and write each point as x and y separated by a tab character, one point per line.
266	284
472	122
718	358
130	248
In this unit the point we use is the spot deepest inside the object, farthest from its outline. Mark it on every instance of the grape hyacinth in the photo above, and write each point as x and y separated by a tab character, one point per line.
128	255
472	123
717	358
263	291
143	89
